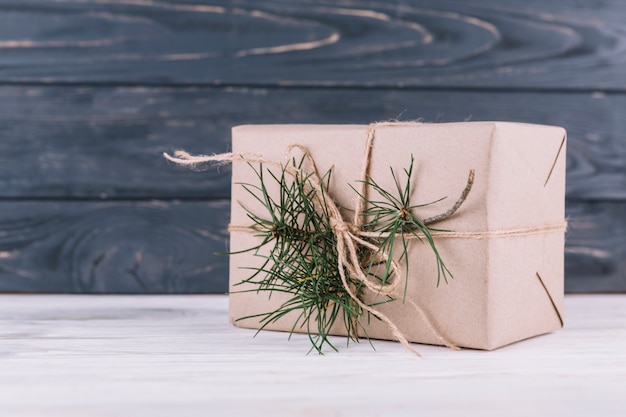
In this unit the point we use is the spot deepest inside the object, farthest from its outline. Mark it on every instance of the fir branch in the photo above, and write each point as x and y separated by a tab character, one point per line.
394	218
302	258
299	248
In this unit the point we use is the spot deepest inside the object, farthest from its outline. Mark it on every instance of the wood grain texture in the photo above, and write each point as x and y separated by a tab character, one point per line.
595	247
450	43
113	247
168	247
71	142
93	91
76	356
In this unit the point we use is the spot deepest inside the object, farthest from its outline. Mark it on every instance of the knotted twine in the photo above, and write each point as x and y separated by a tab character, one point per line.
349	235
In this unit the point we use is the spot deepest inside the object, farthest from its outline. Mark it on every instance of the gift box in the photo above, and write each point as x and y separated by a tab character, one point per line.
503	247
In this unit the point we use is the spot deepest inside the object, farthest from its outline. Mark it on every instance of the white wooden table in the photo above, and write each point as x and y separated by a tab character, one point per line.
63	355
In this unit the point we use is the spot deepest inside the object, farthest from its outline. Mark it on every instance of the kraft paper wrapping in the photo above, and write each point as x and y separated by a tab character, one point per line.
504	289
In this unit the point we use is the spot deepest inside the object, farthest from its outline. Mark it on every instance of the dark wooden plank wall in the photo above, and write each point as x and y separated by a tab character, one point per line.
92	92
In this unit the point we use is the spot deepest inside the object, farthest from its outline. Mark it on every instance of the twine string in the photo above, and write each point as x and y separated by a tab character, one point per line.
349	236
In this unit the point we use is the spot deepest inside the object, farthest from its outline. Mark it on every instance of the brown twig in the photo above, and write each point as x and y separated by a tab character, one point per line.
455	207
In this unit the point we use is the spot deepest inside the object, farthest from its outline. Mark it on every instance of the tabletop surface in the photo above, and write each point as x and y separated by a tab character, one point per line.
78	355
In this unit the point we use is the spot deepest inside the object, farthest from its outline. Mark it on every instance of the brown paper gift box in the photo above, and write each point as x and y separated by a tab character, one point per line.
504	289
